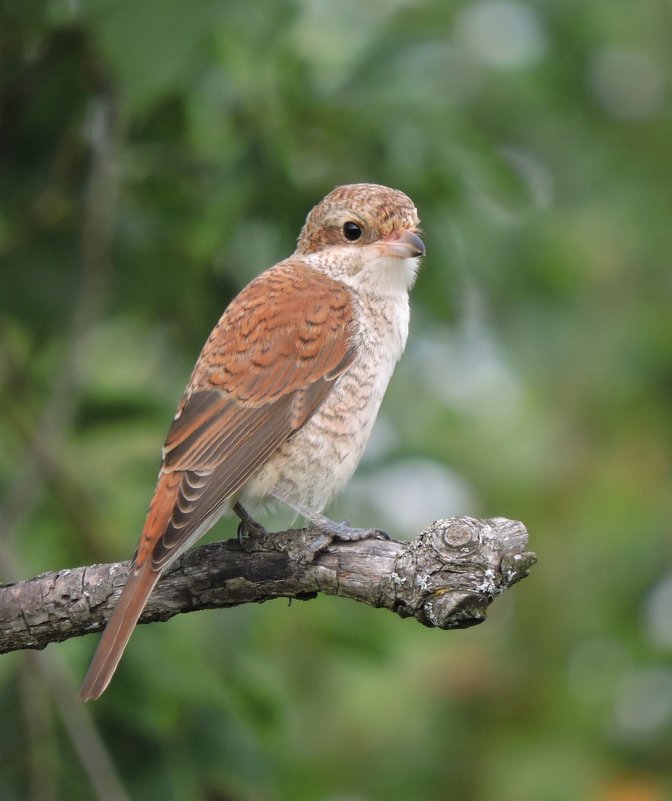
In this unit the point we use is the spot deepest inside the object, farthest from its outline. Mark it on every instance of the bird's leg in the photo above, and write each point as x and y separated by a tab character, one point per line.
342	530
247	526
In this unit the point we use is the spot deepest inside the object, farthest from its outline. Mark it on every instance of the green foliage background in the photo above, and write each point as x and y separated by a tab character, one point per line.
157	154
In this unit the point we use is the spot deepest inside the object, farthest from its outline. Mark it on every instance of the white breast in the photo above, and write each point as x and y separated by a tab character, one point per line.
314	465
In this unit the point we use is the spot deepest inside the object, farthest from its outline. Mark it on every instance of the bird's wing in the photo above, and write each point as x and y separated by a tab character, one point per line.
268	365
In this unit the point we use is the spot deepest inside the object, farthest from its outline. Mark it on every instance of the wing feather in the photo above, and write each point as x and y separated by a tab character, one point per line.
266	368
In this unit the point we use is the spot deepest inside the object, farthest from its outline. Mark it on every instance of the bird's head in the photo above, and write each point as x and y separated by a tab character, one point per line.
364	233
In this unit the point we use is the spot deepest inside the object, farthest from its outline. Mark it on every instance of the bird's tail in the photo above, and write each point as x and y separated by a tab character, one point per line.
139	585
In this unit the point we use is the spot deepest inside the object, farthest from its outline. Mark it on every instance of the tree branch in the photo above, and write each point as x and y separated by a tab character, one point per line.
446	577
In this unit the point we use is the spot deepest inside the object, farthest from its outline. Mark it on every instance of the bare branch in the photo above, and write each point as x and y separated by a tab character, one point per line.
446	577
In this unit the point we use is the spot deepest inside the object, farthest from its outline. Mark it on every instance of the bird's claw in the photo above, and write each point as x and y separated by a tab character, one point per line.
345	532
248	526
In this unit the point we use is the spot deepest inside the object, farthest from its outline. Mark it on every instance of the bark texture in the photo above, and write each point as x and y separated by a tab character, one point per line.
446	577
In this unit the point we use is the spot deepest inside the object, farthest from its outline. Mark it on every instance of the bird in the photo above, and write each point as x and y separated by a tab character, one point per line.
284	395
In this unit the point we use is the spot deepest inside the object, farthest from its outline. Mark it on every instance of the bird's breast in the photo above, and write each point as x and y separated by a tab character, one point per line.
318	461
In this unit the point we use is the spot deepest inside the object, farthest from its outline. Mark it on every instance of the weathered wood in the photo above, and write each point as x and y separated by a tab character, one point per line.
446	577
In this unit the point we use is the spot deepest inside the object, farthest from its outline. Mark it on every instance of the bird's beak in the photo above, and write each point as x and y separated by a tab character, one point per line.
403	245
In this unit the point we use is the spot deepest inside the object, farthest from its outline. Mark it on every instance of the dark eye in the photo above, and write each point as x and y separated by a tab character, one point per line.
351	231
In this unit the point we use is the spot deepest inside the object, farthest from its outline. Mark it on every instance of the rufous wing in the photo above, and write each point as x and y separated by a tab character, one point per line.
266	368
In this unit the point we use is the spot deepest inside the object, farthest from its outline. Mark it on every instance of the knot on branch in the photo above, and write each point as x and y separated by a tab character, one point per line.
450	574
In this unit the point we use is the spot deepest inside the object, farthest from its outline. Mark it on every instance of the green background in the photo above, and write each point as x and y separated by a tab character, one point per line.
157	154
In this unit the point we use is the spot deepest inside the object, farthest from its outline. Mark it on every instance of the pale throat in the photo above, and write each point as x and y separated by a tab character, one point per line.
388	276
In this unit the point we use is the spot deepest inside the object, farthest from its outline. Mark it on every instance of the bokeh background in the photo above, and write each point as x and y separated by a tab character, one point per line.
157	154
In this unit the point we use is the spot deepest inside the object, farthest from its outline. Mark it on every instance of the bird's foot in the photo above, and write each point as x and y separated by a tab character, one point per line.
330	530
248	526
342	530
304	545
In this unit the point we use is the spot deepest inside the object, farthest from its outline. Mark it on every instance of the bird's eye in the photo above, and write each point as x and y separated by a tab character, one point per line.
351	231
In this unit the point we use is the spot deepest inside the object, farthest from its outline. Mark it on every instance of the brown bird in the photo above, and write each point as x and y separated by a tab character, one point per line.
285	393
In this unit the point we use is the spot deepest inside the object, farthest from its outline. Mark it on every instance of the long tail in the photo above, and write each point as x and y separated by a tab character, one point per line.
141	581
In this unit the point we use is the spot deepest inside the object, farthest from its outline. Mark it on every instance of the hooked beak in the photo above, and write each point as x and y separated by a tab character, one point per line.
404	245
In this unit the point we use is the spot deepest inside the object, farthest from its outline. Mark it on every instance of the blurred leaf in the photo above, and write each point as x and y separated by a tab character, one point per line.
153	46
